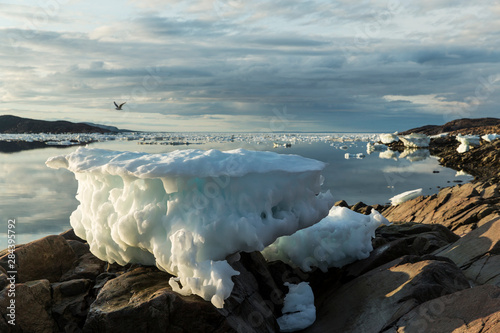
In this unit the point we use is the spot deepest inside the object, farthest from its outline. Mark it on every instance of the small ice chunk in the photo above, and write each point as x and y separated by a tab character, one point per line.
415	140
467	142
341	238
388	138
298	310
490	137
405	196
358	156
461	173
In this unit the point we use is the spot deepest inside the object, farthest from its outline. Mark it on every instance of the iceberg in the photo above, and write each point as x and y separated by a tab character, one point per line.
490	137
415	140
405	196
388	138
186	211
341	238
466	142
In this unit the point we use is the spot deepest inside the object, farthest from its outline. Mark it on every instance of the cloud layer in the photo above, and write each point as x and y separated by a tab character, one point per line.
232	65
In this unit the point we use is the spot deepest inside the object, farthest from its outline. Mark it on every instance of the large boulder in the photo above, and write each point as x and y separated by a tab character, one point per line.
471	310
32	307
142	301
375	300
47	258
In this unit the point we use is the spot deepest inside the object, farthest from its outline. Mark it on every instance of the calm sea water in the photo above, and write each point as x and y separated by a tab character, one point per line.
42	199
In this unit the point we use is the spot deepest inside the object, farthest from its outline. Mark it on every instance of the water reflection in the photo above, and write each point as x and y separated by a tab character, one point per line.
42	199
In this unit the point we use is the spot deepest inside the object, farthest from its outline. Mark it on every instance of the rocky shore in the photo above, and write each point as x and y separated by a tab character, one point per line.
434	269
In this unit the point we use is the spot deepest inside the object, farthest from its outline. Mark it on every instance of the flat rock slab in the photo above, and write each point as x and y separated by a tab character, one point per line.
380	297
474	310
479	242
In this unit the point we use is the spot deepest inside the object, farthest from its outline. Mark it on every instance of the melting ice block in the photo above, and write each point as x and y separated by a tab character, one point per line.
490	137
342	237
405	196
388	138
186	211
466	141
415	140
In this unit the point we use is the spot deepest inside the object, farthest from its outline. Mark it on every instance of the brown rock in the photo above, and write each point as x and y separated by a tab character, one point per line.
46	258
474	245
70	235
380	297
32	307
142	301
87	266
471	310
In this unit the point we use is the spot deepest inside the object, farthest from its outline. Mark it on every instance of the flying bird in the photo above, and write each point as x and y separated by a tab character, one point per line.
119	107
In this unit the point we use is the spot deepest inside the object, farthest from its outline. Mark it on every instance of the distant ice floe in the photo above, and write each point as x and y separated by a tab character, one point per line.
415	140
163	138
298	309
490	137
342	237
388	138
187	210
467	142
358	156
405	196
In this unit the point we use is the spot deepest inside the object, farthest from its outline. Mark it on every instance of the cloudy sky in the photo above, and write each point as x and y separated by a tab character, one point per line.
234	65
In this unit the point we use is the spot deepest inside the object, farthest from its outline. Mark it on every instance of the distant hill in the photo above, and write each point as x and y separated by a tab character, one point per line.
463	126
14	124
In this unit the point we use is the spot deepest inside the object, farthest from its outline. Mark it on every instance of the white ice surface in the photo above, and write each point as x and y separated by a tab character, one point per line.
388	138
342	237
186	211
405	196
415	140
467	142
490	137
298	310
